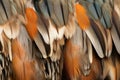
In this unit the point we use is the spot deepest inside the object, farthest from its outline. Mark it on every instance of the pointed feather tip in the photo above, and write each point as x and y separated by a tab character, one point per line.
40	44
90	51
95	42
109	43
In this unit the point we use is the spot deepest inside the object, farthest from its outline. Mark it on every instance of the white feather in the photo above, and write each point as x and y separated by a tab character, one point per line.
11	28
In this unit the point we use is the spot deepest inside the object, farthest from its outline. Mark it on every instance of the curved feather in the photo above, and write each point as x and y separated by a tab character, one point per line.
115	31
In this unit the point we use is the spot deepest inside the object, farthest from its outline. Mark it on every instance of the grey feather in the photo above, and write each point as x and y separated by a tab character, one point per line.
65	8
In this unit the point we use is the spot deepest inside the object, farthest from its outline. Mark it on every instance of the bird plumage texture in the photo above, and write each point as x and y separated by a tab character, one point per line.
59	39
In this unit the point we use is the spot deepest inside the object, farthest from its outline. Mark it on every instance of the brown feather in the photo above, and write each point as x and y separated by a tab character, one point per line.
71	58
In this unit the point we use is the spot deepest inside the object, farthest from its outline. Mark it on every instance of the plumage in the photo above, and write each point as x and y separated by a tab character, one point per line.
59	39
93	73
31	26
89	28
99	15
78	55
56	23
26	43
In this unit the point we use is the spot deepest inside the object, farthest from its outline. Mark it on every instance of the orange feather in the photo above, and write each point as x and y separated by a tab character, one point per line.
31	25
82	17
18	58
22	67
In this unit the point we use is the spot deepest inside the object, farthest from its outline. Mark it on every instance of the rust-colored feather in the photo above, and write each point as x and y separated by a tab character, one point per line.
31	24
82	17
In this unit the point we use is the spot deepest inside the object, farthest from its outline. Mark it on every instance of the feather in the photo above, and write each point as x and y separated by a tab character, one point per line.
109	69
97	5
31	27
116	59
71	5
71	60
27	66
90	51
117	7
107	39
75	64
43	23
42	28
115	31
7	8
17	59
39	42
23	67
5	69
70	27
95	41
6	44
65	10
57	51
54	35
100	32
92	11
91	32
42	8
80	38
3	16
24	39
116	20
95	70
58	12
53	16
77	51
11	28
109	43
20	6
82	17
106	10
